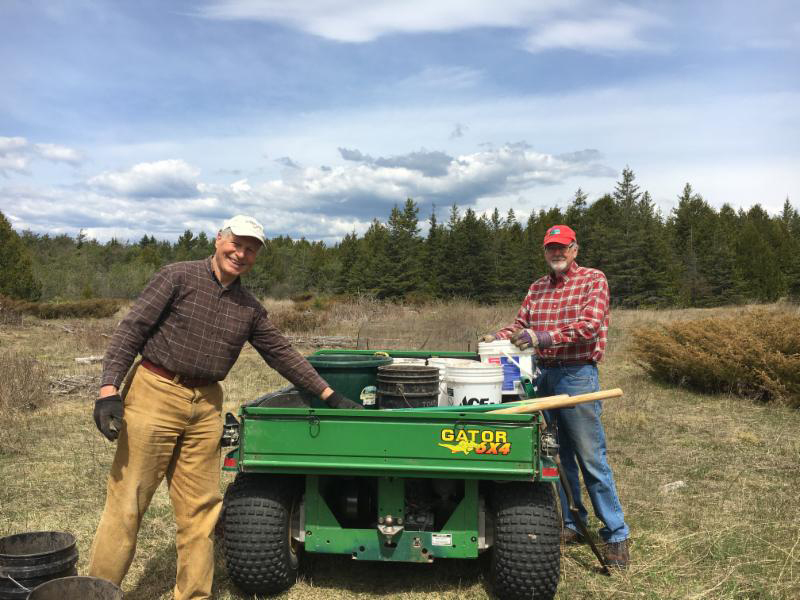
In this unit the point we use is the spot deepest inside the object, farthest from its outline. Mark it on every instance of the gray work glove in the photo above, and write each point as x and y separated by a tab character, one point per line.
108	416
489	337
336	400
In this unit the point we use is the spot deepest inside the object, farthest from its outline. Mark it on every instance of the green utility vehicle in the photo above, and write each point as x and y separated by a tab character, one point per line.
408	485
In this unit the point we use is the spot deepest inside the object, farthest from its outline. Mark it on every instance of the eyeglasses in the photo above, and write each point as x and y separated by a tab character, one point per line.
558	247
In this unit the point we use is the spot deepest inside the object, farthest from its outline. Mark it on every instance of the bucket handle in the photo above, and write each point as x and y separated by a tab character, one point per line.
518	363
399	387
15	582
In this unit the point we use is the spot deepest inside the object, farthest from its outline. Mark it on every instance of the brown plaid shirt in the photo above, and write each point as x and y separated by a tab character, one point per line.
187	322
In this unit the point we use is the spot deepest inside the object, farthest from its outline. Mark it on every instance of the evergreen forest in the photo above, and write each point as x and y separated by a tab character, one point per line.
697	256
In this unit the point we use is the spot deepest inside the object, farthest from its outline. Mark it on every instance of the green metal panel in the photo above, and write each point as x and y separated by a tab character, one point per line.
391	496
459	445
458	538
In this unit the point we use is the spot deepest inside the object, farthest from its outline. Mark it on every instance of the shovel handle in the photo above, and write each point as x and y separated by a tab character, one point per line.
524	407
563	401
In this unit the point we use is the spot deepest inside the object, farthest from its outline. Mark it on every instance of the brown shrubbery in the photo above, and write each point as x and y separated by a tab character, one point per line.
305	314
755	354
23	383
97	308
23	389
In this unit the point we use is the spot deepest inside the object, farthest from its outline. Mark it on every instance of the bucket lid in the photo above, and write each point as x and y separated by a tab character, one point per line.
497	345
472	375
478	369
407	369
456	362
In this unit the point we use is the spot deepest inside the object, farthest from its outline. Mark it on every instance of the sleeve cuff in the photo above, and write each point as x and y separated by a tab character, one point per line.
111	379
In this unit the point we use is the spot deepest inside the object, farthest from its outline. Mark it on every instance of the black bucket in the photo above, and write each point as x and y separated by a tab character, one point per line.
77	588
34	558
407	386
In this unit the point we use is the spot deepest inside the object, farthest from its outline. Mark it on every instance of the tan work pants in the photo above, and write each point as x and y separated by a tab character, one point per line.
168	430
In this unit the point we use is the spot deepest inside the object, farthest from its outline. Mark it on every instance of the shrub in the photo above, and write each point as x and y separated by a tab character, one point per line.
23	382
97	308
297	321
10	314
754	354
23	389
302	297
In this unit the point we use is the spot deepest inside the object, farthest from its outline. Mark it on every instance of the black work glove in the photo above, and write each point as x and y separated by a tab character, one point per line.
336	400
108	416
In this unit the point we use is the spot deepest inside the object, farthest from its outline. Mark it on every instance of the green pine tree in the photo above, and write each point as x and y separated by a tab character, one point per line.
433	260
403	250
347	251
16	270
758	257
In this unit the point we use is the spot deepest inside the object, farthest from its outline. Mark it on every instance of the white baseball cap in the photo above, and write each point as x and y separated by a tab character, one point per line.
246	226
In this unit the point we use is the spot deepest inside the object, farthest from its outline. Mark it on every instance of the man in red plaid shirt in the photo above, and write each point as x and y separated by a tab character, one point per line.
565	319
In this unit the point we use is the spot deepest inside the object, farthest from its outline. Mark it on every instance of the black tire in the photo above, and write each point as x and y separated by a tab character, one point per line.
260	555
525	559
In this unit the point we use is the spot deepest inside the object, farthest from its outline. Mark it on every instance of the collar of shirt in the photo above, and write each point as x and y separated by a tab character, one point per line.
210	268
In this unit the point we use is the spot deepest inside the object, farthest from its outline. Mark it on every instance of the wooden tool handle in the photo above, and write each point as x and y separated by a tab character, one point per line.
563	401
522	407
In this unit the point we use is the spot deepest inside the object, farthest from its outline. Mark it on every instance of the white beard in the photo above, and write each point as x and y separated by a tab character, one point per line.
558	266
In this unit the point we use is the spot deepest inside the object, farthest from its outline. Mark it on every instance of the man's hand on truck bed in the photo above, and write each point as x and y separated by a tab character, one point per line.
336	400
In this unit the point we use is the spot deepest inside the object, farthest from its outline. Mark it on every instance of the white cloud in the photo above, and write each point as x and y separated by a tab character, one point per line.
162	179
12	144
622	30
16	154
444	78
370	187
317	202
357	21
58	153
575	24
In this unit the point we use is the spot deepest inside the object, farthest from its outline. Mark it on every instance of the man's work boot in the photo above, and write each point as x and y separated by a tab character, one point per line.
570	536
617	555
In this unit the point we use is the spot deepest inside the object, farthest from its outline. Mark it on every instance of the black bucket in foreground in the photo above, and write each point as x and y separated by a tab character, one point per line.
407	386
34	558
77	588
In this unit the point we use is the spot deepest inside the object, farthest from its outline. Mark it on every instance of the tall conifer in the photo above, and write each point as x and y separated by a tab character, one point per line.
16	271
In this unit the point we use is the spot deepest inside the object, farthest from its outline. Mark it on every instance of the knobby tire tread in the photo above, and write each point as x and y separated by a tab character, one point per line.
256	544
526	558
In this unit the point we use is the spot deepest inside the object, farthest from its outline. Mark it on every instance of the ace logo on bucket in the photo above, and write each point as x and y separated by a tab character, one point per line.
466	401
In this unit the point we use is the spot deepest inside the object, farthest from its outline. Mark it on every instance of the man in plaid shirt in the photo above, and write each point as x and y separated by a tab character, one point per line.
189	325
565	318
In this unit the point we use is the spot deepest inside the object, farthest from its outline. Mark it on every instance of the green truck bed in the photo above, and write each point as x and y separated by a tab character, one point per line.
402	443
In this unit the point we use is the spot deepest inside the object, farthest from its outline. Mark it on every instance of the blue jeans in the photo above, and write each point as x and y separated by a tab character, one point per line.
583	442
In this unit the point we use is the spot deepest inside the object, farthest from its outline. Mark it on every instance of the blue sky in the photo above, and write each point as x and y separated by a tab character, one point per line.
126	118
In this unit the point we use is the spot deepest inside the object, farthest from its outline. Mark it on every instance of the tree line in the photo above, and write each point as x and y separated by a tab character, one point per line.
695	256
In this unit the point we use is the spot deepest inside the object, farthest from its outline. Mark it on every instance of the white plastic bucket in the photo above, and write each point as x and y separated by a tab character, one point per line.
442	364
478	383
515	362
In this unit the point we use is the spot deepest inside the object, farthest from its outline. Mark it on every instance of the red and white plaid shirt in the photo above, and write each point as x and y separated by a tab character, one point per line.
573	308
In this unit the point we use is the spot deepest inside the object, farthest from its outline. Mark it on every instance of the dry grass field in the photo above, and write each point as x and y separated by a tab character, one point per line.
730	530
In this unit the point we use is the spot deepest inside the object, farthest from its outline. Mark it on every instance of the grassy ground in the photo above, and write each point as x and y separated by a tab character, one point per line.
731	530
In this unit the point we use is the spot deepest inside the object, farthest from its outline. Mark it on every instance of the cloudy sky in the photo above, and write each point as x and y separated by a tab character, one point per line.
125	118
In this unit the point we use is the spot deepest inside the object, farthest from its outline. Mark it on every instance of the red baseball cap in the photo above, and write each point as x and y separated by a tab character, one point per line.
559	234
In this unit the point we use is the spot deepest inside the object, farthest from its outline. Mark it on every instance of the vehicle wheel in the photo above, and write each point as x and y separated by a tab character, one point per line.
525	559
260	554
